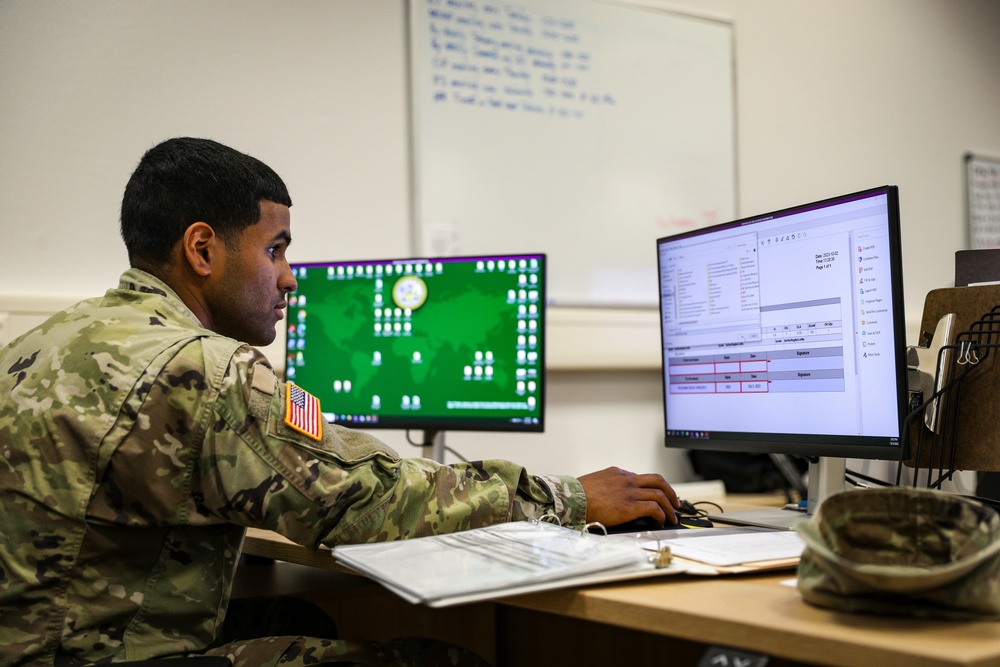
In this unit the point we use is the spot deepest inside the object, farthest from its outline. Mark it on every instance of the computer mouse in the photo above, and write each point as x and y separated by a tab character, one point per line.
693	522
686	509
642	524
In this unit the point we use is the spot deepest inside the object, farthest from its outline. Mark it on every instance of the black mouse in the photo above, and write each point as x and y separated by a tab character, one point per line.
639	525
687	517
686	509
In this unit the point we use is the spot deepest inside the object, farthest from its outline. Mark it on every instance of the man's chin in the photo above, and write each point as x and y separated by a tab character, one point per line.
265	341
260	338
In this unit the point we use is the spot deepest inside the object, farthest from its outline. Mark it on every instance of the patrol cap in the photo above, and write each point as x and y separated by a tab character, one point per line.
902	551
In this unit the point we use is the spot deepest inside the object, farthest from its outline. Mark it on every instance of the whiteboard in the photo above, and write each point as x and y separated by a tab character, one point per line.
582	129
982	208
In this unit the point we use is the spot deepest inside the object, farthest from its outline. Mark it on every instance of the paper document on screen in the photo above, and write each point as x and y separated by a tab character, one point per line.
737	548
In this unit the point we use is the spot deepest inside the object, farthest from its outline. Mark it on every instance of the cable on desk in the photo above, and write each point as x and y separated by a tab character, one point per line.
698	512
866	478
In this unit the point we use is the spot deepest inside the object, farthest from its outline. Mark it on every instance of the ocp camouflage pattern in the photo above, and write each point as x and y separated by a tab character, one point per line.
905	552
136	446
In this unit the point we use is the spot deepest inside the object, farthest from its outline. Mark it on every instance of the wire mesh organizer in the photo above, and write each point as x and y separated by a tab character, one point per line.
956	426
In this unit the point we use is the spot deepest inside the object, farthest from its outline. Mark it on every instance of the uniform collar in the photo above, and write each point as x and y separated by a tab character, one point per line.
137	281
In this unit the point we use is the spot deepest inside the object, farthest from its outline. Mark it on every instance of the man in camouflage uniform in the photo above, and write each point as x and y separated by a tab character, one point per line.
140	434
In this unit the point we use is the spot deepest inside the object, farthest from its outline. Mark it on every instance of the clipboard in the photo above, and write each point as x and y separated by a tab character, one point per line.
974	442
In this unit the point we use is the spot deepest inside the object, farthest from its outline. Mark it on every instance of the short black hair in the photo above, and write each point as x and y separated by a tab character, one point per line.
186	180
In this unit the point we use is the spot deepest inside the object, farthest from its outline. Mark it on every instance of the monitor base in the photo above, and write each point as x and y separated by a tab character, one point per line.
826	477
770	517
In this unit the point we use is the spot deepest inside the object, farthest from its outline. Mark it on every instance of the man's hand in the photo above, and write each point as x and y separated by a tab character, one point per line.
615	496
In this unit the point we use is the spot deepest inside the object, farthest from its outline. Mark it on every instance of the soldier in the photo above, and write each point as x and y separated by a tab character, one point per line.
141	433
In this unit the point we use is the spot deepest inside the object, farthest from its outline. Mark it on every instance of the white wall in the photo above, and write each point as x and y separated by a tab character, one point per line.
839	96
831	98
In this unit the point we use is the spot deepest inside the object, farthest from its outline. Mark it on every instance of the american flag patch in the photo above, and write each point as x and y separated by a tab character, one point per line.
302	412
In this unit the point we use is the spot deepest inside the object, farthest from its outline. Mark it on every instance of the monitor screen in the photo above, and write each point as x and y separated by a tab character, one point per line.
784	333
451	343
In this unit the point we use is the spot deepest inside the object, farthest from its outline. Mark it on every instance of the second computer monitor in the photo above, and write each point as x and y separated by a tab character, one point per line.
449	343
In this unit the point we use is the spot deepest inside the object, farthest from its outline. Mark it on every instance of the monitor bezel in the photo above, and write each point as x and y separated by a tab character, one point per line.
435	423
803	444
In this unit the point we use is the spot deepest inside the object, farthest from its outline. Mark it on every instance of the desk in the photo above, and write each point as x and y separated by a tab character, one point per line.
668	621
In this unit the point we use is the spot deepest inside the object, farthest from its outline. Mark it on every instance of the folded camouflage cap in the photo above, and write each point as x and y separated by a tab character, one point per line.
902	551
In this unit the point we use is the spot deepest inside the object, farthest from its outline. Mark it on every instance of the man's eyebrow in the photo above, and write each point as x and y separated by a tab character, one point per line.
283	236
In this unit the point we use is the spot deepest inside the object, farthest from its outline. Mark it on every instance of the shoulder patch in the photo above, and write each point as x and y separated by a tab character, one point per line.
302	412
263	379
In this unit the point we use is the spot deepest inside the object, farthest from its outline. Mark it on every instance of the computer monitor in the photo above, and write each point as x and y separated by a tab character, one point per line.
441	343
784	333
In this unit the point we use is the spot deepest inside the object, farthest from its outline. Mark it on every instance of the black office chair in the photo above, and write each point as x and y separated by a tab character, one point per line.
190	661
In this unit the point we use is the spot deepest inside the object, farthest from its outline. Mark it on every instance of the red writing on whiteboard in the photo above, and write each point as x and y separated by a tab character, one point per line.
680	222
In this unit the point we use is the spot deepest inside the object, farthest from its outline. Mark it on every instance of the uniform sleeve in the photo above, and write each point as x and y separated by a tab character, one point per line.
340	486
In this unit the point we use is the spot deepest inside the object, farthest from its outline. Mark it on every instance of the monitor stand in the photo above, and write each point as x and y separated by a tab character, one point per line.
434	445
826	476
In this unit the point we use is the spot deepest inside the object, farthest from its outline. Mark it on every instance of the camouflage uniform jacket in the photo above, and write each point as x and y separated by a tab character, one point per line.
136	446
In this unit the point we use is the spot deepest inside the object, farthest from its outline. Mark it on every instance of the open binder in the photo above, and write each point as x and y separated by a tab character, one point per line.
526	557
494	561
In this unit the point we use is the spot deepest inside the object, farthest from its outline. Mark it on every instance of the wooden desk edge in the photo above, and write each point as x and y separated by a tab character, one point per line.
805	634
267	544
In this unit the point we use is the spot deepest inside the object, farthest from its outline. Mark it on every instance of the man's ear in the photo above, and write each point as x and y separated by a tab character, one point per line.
200	248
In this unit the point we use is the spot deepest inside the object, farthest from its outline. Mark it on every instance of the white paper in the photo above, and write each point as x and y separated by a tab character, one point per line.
737	548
